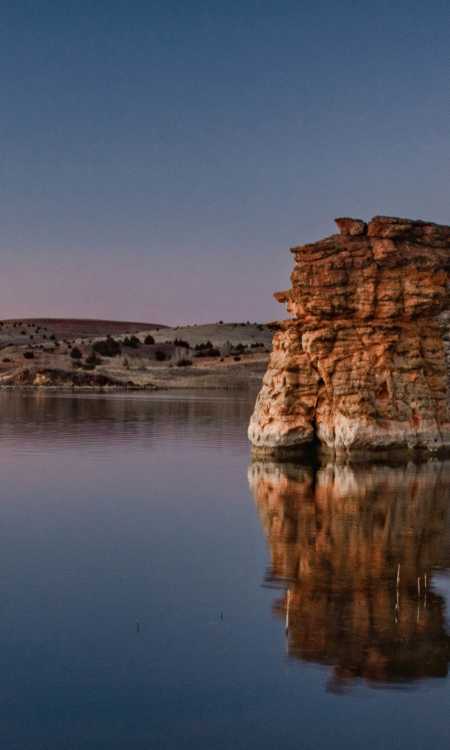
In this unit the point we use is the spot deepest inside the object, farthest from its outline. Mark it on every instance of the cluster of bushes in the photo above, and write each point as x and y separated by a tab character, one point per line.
206	349
184	362
90	363
132	342
93	360
108	347
213	352
182	343
75	353
203	345
149	340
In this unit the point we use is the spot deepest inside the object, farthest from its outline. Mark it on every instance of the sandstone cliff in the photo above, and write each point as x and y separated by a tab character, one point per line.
364	361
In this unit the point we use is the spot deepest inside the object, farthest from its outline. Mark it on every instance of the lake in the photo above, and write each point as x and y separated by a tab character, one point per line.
160	590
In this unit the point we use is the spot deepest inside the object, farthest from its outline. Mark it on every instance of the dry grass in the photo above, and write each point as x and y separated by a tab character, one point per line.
50	343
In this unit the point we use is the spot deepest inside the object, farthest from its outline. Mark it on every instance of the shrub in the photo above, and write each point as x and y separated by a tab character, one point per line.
108	347
149	340
92	360
28	355
182	343
237	359
132	342
160	356
75	353
208	353
204	345
6	359
184	363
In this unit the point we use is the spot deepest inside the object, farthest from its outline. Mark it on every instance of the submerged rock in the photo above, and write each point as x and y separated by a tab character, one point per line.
364	361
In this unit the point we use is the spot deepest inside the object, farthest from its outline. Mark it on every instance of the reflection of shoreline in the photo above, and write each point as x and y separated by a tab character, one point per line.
356	547
59	417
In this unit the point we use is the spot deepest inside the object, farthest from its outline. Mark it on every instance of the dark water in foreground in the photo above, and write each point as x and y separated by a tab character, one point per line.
148	572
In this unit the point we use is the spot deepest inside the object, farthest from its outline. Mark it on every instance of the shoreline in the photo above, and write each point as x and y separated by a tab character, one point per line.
219	356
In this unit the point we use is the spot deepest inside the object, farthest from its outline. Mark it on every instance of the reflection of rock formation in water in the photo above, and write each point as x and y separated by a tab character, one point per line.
362	363
356	548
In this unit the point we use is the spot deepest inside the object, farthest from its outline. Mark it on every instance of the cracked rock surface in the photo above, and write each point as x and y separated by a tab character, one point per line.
364	361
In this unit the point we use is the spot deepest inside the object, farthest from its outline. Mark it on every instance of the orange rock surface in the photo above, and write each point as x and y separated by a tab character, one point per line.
363	363
354	550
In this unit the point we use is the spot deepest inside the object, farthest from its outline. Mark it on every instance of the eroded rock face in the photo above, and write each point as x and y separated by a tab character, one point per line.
364	362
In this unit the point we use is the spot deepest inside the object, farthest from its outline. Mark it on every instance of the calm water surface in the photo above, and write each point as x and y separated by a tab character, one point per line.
159	590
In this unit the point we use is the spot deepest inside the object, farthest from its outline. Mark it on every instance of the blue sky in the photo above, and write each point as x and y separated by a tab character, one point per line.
158	159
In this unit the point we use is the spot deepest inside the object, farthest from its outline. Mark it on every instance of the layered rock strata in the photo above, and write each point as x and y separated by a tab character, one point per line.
364	361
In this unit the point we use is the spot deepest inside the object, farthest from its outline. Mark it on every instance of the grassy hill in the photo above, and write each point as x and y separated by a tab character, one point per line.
81	327
89	353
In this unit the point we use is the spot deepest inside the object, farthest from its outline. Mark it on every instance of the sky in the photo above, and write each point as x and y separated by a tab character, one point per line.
158	159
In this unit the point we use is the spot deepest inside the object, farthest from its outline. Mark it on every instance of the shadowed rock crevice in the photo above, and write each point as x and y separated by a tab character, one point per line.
364	362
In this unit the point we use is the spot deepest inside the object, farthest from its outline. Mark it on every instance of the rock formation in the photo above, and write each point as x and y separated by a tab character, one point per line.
355	550
364	361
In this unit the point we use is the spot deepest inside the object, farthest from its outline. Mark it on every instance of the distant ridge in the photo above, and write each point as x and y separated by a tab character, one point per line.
86	326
